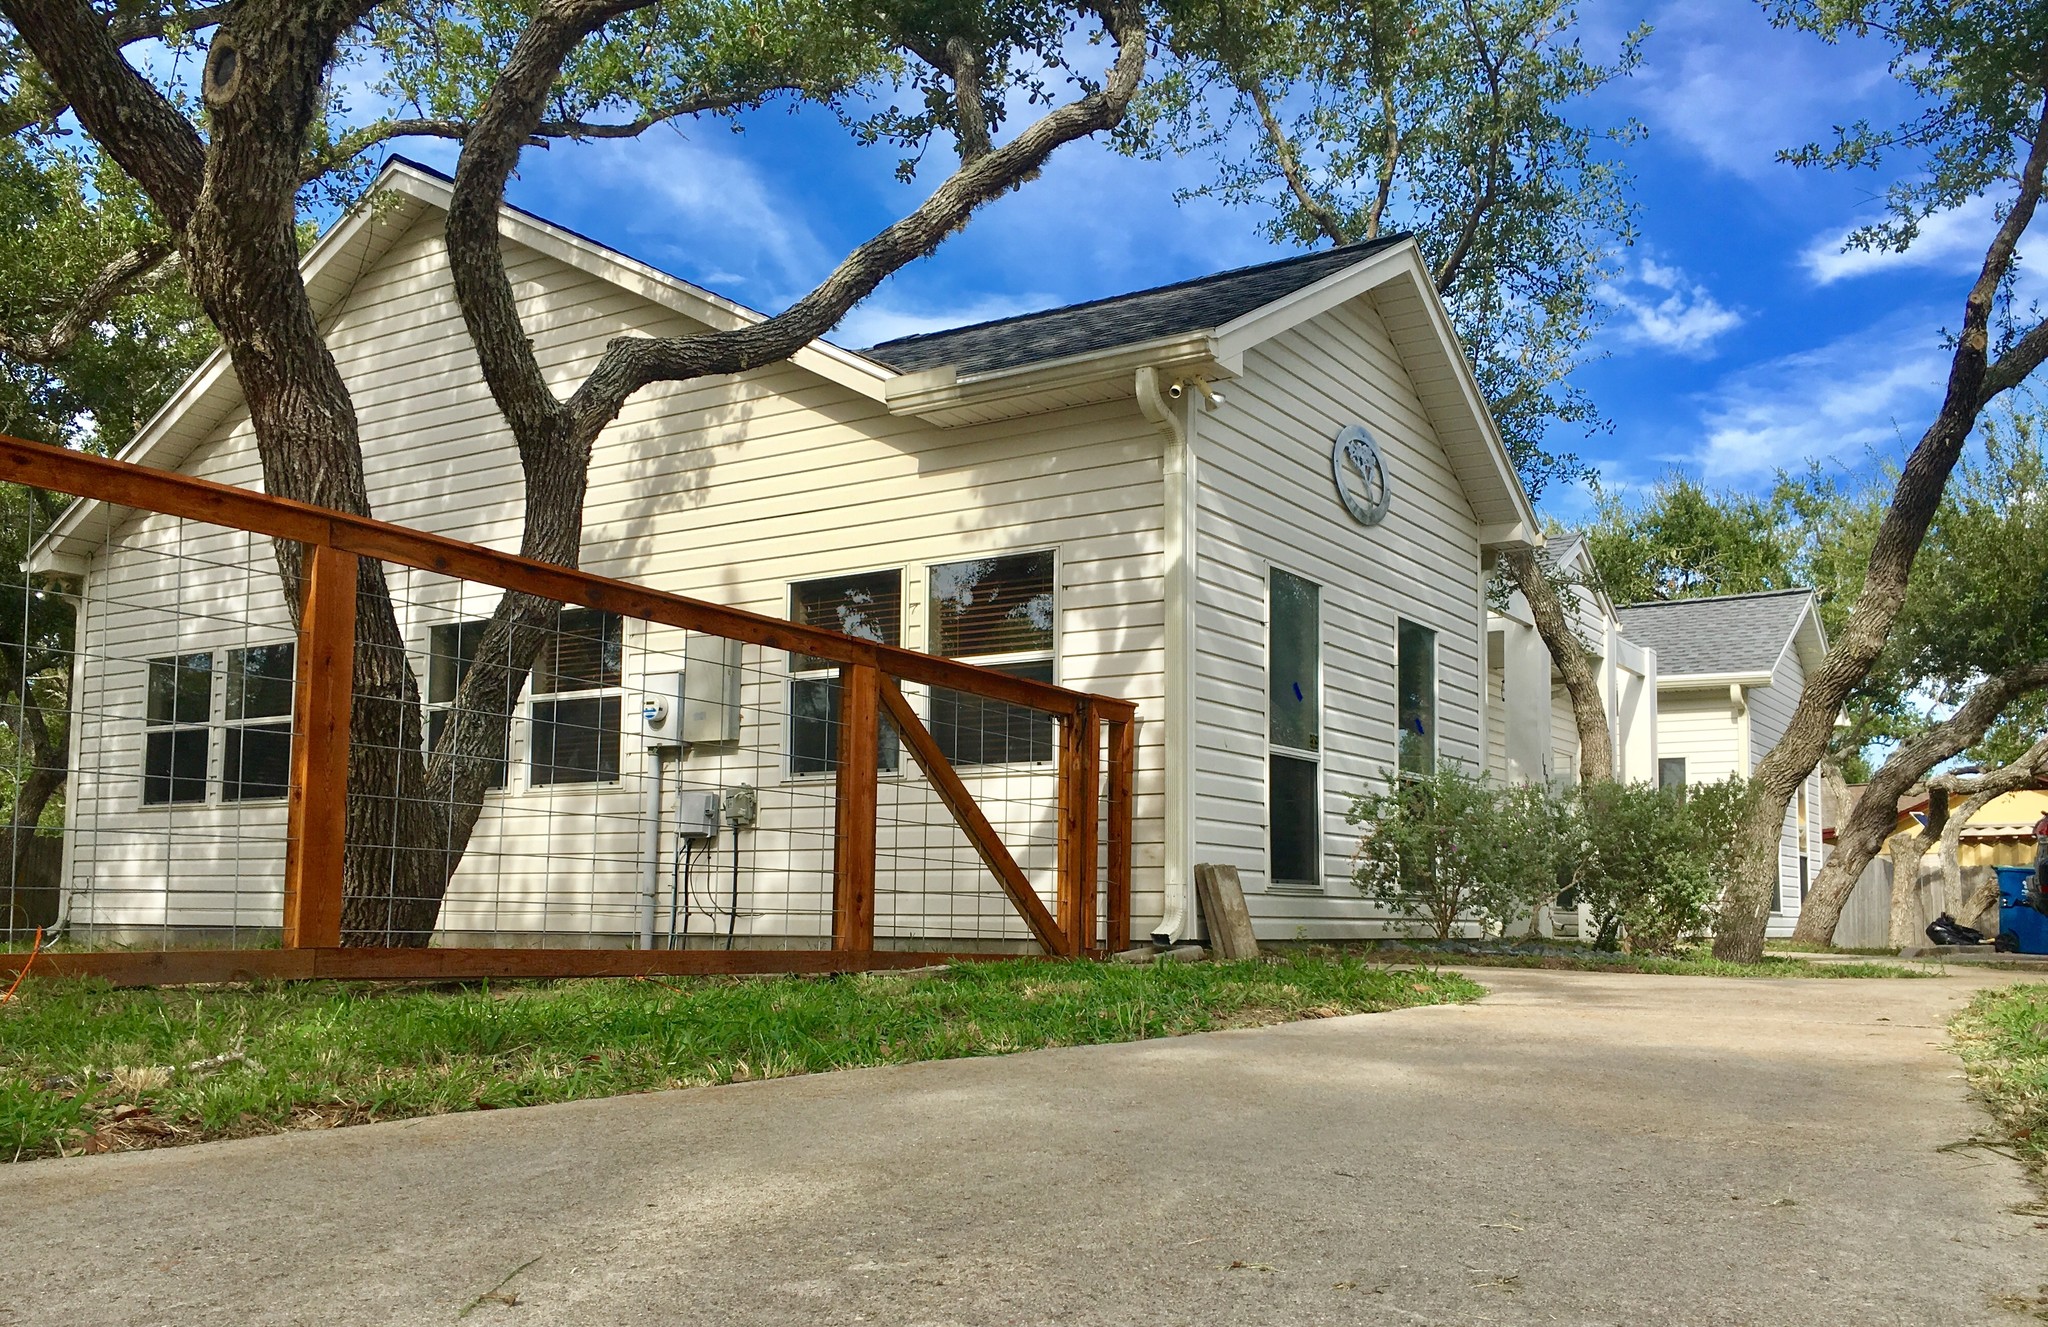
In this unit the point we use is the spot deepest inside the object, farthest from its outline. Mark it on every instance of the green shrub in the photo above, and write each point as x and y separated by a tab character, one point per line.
1651	862
1446	846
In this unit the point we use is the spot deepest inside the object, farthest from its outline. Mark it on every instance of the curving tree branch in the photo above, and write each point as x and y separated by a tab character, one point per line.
116	280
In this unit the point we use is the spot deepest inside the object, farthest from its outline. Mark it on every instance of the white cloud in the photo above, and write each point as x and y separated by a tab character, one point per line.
1953	241
1667	310
1867	390
701	211
1719	79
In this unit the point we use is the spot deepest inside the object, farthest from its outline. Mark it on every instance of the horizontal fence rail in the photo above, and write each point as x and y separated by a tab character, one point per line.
870	806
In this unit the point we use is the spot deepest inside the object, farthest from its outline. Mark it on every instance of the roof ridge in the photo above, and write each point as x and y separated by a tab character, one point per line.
1360	246
1717	598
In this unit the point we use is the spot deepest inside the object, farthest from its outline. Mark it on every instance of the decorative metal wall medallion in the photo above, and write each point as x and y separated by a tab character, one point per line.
1361	475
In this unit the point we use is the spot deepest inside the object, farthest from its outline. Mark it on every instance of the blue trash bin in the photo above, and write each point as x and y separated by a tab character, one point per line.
2029	926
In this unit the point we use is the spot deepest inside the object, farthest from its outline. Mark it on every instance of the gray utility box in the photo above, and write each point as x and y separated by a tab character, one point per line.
711	689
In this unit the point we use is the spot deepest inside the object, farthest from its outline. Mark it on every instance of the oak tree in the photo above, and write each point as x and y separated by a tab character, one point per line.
229	171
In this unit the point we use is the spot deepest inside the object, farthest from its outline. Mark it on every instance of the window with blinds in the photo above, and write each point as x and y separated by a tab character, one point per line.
998	612
577	703
867	605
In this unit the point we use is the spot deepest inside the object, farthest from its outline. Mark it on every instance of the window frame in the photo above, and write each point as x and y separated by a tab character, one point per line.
432	709
235	728
613	691
1311	756
888	755
1002	661
175	727
1434	700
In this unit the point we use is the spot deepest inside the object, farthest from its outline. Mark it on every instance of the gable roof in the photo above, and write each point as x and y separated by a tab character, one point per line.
1118	320
1199	329
1720	635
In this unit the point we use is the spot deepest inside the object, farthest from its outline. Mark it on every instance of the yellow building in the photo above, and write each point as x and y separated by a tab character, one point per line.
2000	834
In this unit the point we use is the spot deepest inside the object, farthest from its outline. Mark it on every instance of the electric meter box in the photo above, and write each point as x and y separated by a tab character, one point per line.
661	709
711	689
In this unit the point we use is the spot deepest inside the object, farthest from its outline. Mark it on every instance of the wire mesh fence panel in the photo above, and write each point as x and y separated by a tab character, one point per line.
168	668
426	743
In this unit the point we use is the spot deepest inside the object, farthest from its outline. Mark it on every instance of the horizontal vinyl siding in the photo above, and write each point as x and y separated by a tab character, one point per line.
1770	711
1699	727
724	489
1267	500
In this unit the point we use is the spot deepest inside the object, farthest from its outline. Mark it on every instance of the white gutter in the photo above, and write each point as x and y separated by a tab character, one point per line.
1175	420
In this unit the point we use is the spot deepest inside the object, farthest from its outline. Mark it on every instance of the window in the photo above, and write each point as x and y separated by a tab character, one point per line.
451	653
175	717
999	613
1671	774
256	751
1415	682
868	605
1294	665
1802	843
576	701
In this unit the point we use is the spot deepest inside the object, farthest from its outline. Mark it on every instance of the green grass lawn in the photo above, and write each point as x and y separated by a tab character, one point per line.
1698	963
87	1068
2003	1037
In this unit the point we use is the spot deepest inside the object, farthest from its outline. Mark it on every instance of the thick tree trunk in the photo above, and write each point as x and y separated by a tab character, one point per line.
47	762
1746	908
1861	836
1574	664
230	200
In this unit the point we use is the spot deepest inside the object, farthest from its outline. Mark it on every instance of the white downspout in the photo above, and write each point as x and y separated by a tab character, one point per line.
1738	704
1177	471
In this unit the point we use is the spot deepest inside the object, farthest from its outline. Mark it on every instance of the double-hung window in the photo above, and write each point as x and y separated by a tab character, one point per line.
1415	682
574	734
256	750
176	715
451	653
998	612
1294	717
868	605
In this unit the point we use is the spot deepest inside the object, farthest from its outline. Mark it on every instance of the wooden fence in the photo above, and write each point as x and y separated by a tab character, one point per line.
1094	756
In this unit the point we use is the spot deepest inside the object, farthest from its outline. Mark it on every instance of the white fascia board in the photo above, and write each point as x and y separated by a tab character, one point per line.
1711	681
1262	324
942	389
1809	621
1510	534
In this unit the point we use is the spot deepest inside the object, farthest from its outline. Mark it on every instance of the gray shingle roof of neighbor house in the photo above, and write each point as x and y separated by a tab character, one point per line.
1120	320
1726	633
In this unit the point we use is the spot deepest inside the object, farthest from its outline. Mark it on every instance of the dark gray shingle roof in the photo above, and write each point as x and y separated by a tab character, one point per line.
1120	320
1728	633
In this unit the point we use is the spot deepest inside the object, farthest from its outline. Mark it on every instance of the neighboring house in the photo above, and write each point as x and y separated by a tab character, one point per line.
2000	834
1531	733
1256	503
1729	672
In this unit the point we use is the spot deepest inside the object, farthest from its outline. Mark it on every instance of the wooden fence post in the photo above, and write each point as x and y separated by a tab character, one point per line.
853	851
1123	753
316	834
1078	791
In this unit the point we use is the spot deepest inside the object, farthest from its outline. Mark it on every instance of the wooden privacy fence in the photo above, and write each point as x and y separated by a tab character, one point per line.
1093	755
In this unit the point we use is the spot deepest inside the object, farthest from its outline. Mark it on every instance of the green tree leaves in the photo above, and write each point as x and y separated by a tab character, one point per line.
1450	120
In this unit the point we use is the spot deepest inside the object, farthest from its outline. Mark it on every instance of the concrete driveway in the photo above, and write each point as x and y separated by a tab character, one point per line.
1575	1149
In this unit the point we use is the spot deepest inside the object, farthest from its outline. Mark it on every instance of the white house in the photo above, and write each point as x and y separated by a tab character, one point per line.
1260	504
1729	672
1531	734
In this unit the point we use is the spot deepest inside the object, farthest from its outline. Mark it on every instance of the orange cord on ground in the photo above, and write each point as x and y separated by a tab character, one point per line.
33	950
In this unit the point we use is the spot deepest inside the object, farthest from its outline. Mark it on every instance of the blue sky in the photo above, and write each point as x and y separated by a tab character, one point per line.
1740	339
